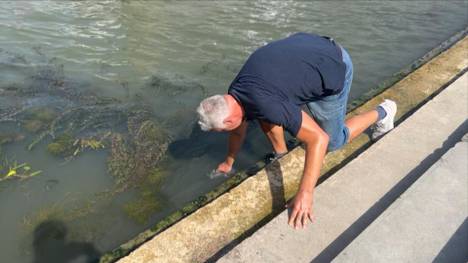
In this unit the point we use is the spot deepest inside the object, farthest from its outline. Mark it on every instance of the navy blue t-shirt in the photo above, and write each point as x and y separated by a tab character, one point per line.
283	75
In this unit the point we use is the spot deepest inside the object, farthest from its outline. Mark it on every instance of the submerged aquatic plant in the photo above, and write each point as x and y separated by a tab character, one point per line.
11	170
67	121
149	200
66	210
10	137
62	145
67	146
88	143
141	209
134	156
38	118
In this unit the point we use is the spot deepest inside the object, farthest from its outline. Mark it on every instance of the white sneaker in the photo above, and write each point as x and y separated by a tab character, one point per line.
386	124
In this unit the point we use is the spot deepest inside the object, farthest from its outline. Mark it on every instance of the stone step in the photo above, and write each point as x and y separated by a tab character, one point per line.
421	222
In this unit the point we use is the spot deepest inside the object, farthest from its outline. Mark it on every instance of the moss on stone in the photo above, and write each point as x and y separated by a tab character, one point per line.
167	221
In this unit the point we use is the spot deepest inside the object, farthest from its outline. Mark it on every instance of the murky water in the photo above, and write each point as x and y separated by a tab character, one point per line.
93	68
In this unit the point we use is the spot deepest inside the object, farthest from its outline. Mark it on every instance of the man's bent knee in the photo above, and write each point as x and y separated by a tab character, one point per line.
333	146
338	141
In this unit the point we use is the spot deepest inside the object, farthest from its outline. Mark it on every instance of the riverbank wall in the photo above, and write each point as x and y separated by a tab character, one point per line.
222	217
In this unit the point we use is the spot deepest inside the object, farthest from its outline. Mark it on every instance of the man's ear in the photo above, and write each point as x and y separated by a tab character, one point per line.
228	121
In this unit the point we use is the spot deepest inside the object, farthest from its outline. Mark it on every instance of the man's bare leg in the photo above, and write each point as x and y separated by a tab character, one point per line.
359	123
384	115
356	125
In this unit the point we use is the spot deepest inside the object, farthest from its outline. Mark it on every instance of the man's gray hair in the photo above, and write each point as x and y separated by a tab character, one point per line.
212	112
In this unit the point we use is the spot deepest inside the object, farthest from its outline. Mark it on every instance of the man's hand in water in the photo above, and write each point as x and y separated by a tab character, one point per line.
301	209
224	167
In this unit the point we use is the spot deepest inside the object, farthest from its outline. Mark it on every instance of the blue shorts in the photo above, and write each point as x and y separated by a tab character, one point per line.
330	112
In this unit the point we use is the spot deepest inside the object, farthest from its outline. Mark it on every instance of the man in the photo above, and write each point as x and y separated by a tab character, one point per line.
275	81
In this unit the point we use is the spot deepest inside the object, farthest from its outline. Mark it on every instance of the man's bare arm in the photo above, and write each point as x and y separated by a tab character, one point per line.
235	140
316	142
275	134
